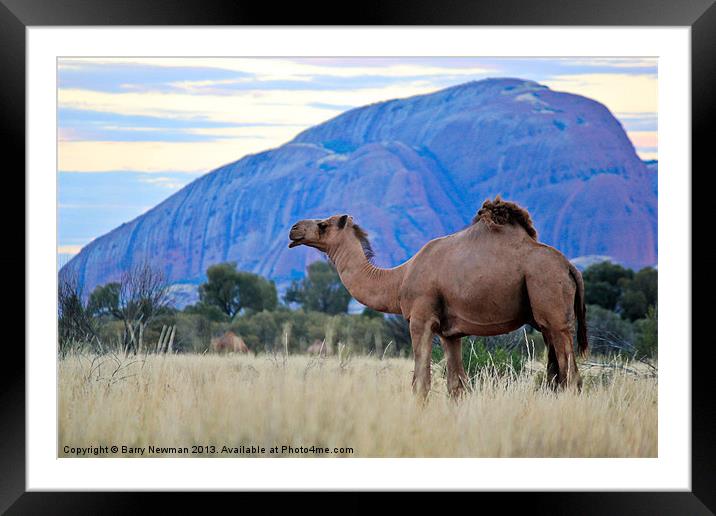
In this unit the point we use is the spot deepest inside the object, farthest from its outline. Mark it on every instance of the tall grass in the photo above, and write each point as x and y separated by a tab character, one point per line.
363	403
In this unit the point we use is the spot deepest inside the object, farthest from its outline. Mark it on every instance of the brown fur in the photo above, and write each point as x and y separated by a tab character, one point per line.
488	279
229	342
364	242
498	213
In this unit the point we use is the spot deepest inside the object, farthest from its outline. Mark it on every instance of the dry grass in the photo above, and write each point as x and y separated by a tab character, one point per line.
362	403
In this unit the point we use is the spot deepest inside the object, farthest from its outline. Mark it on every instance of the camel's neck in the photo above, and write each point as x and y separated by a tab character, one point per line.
376	288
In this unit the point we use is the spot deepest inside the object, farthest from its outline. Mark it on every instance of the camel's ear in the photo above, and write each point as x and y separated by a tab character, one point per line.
342	221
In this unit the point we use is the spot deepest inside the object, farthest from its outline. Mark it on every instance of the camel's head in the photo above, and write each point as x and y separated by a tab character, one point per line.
321	234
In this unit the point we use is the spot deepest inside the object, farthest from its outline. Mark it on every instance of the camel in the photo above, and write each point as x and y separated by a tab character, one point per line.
490	278
229	342
320	348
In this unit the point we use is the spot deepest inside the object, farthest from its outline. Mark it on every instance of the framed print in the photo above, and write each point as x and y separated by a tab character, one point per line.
301	257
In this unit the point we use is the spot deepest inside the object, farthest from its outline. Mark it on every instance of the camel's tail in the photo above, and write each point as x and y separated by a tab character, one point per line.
580	310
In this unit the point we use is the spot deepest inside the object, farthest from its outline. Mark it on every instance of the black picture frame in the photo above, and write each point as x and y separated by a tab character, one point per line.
699	15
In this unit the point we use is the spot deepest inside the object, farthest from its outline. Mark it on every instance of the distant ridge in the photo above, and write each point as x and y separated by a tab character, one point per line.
408	170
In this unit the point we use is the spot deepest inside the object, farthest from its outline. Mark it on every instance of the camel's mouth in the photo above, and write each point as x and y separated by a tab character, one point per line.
296	236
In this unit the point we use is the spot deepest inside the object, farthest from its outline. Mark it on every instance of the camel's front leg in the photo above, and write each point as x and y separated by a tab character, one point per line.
457	380
421	335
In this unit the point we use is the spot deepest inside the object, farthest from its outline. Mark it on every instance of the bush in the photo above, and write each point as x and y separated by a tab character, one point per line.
480	360
259	331
608	332
500	361
602	283
361	334
646	331
638	294
621	290
633	304
398	332
194	333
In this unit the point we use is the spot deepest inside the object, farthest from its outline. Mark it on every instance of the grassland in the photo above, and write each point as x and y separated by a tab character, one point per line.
356	407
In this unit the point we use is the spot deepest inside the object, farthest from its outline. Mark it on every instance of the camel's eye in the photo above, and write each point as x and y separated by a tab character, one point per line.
322	226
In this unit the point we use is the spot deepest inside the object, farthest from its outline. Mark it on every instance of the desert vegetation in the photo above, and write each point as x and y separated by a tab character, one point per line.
134	371
135	315
348	406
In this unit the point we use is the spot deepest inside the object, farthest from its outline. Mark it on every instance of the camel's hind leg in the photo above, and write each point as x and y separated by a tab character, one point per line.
552	303
421	335
457	380
561	358
552	364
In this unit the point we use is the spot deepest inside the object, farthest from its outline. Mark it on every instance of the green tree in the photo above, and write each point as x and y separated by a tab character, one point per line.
209	312
321	290
607	272
639	294
603	284
104	301
232	291
259	330
633	304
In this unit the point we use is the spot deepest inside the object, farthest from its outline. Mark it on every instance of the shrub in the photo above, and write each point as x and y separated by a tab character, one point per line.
639	294
500	361
398	332
607	332
646	331
259	331
479	360
633	304
194	333
602	283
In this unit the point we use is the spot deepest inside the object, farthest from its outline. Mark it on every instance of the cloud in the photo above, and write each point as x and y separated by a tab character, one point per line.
243	123
137	134
164	182
243	107
90	125
644	138
638	121
268	69
89	117
118	77
91	204
331	107
69	249
191	114
637	63
647	155
103	205
153	156
137	129
619	92
319	83
646	143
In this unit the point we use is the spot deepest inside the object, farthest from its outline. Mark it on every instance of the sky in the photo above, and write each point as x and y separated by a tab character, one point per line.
132	131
